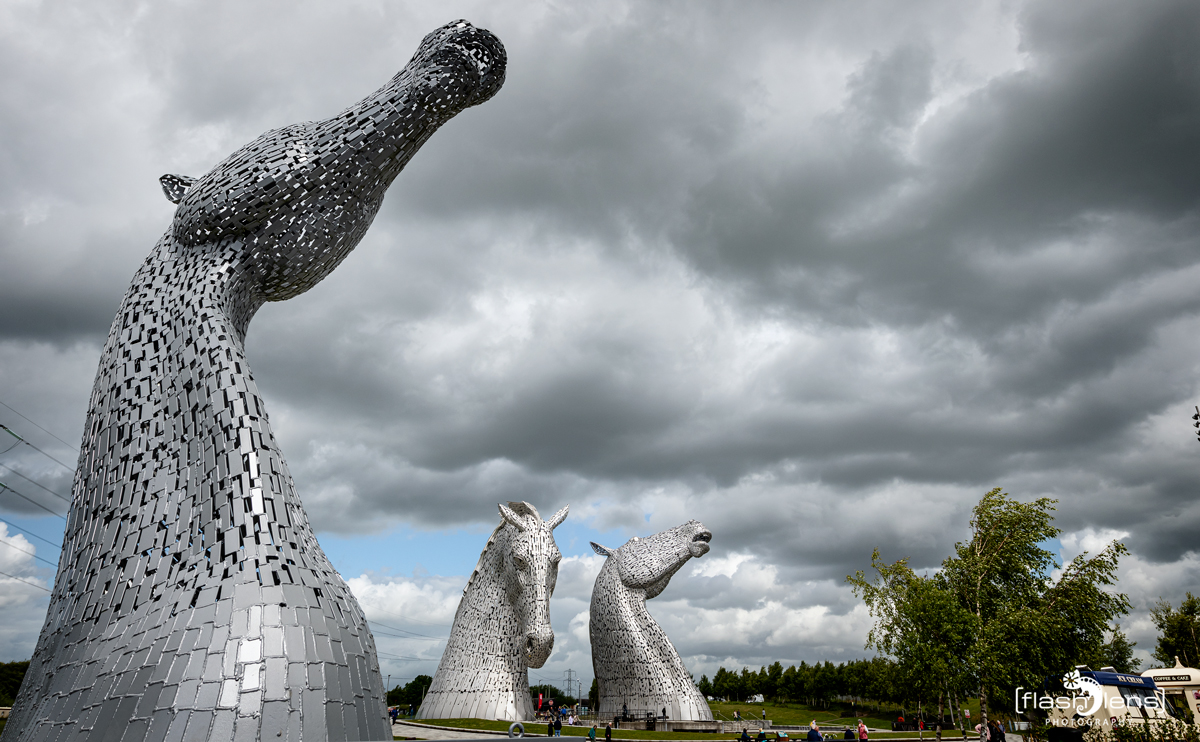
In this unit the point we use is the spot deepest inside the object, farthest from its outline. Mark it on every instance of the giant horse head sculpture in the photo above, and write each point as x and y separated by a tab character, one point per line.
636	666
192	600
502	626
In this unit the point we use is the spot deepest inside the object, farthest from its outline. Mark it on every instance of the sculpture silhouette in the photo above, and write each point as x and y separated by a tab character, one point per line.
637	668
192	600
502	626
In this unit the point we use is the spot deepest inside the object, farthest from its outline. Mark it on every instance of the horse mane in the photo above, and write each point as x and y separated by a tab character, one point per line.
520	508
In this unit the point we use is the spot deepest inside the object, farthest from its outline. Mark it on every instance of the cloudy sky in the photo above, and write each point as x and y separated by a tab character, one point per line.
818	275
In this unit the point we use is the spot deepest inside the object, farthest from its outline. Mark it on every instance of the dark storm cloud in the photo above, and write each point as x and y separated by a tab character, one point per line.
818	275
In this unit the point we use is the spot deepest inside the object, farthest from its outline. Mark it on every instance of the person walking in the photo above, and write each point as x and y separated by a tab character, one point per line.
997	731
608	732
862	729
592	734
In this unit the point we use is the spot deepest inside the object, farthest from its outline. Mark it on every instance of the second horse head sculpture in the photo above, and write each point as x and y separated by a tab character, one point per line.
636	666
502	627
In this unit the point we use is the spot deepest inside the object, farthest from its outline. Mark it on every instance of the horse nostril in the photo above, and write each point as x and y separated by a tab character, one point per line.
704	536
529	644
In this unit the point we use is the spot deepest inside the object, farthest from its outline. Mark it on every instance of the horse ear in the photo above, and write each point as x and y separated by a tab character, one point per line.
175	187
508	515
603	551
558	518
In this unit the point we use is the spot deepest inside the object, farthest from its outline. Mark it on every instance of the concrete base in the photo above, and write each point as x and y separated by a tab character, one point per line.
750	725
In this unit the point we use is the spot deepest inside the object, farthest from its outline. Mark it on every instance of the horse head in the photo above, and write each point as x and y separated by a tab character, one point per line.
530	570
649	563
287	208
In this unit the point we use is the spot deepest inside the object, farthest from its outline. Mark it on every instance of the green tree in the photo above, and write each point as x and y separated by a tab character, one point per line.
395	696
824	682
773	681
1025	625
704	686
11	675
552	693
1177	632
411	694
594	694
749	684
1116	653
787	684
920	623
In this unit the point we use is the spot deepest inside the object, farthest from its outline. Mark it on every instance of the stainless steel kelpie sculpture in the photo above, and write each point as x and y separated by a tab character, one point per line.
502	627
637	668
192	601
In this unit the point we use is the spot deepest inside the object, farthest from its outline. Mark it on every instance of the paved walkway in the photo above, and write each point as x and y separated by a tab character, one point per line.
424	731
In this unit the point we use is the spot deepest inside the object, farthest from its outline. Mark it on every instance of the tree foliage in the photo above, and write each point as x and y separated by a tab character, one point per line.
921	625
816	684
1116	653
1004	612
11	675
411	694
552	693
1177	632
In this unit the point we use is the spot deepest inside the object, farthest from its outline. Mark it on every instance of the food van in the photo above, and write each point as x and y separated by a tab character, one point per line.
1107	697
1181	687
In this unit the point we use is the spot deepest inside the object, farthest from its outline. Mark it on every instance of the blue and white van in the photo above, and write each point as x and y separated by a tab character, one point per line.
1106	698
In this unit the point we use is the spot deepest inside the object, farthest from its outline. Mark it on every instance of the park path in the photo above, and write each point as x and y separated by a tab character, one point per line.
424	731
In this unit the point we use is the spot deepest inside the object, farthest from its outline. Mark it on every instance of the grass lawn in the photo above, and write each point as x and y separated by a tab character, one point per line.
540	728
798	714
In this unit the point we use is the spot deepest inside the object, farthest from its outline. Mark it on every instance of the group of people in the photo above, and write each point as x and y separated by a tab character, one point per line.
994	732
814	733
555	725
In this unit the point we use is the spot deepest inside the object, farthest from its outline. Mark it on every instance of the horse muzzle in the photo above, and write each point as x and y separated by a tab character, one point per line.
698	546
538	645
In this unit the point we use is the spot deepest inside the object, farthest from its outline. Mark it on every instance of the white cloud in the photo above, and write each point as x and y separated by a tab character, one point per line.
816	275
23	595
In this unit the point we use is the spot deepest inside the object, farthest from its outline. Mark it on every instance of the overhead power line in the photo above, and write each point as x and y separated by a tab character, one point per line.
406	659
39	427
406	631
413	620
4	486
35	448
36	484
28	532
27	582
13	546
377	632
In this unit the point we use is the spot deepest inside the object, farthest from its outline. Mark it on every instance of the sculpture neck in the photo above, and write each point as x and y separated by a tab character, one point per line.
176	411
486	610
